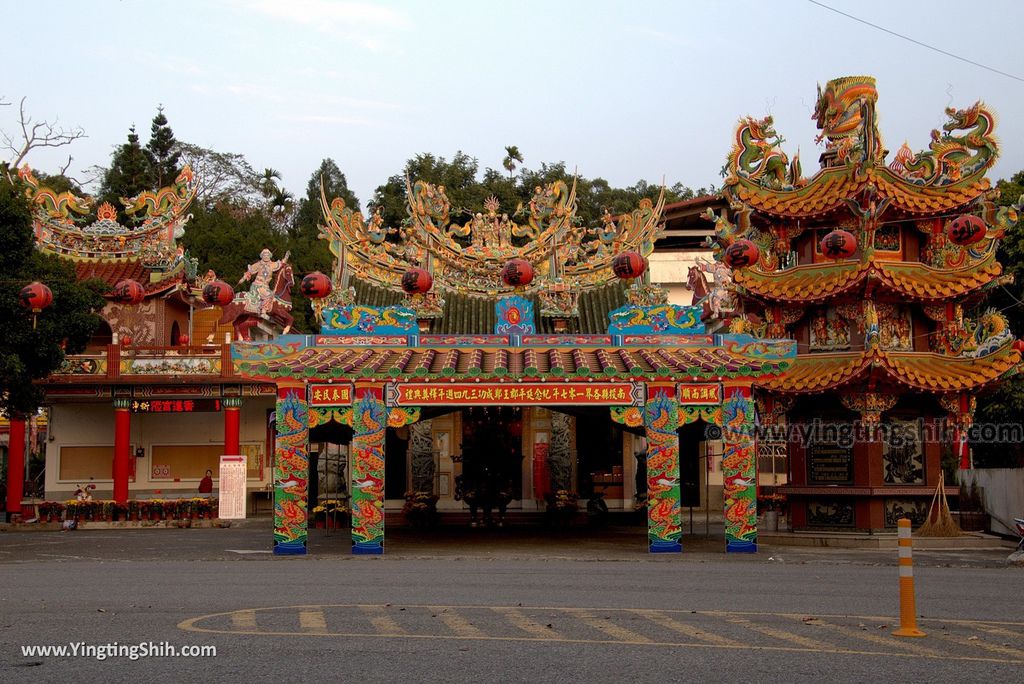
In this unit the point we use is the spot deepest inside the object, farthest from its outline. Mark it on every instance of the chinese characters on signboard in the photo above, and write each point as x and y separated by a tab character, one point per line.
516	394
174	405
700	394
330	395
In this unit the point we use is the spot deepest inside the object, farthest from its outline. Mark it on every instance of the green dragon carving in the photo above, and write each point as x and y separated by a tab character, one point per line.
952	158
756	156
57	206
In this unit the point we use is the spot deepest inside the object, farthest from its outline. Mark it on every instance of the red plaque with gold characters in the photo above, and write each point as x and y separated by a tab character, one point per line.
700	393
515	394
335	394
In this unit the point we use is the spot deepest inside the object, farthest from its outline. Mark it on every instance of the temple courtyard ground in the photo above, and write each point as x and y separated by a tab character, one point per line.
520	604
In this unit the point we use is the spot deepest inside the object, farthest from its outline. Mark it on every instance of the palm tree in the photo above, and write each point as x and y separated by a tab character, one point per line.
512	155
268	183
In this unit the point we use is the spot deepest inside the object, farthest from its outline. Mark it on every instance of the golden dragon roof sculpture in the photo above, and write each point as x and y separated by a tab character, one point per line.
467	258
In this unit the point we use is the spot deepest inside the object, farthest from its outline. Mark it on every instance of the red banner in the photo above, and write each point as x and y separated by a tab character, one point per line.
700	394
330	395
515	394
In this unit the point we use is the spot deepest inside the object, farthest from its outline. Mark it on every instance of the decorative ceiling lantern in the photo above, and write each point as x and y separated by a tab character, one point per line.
839	244
35	297
628	265
218	292
417	281
128	292
183	340
517	273
316	285
966	230
741	254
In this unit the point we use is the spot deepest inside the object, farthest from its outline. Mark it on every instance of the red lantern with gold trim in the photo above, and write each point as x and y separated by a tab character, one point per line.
839	244
316	285
741	254
35	297
417	281
219	293
966	230
128	292
628	265
517	273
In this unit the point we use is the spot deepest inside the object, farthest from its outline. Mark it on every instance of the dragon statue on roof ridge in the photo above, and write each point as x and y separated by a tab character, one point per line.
952	159
468	257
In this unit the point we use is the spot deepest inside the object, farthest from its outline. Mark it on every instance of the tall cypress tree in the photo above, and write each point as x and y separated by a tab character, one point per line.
129	172
162	151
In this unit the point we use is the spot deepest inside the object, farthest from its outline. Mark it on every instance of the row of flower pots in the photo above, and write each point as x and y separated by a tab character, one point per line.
132	510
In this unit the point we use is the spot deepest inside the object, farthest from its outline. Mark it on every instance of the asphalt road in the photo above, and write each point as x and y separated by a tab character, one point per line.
497	606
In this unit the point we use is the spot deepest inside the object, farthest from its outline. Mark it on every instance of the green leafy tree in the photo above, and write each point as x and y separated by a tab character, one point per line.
162	152
129	172
1005	404
27	353
227	238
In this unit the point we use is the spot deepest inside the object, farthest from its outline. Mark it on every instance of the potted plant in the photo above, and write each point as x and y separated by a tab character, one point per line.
772	503
51	510
420	508
562	506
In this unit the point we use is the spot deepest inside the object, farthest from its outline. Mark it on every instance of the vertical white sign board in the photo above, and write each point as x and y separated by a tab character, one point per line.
232	488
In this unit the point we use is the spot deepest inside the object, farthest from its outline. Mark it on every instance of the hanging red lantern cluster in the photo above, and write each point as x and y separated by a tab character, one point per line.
35	297
966	230
128	292
219	293
628	265
741	254
316	285
517	273
839	244
417	281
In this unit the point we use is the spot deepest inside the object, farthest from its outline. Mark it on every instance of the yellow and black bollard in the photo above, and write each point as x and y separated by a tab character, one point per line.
908	610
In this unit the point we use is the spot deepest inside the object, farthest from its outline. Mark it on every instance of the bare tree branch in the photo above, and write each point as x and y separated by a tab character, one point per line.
35	134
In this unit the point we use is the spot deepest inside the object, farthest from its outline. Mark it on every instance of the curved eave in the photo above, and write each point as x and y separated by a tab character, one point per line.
815	282
508	363
926	371
826	191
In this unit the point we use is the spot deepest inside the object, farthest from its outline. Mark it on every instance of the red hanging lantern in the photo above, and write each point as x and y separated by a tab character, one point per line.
128	292
1018	345
839	244
218	292
966	230
35	297
417	281
126	340
316	285
741	254
183	340
517	272
627	265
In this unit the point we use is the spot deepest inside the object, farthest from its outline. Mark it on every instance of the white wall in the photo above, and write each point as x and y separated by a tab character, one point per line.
93	425
1002	493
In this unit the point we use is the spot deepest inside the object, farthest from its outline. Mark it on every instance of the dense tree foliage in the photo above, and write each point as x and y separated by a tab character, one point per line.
30	353
128	173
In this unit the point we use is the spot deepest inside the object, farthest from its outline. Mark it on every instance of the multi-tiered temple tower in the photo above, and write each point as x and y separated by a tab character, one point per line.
880	272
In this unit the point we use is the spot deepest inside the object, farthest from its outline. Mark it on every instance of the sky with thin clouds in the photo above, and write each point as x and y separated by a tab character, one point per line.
619	90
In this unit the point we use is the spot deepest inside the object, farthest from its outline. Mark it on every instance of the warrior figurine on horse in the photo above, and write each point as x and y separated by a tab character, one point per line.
269	296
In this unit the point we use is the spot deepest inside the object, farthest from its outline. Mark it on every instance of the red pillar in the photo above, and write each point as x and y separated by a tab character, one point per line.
16	465
232	421
122	450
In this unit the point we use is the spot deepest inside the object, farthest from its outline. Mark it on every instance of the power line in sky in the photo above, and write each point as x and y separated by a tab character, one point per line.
916	42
